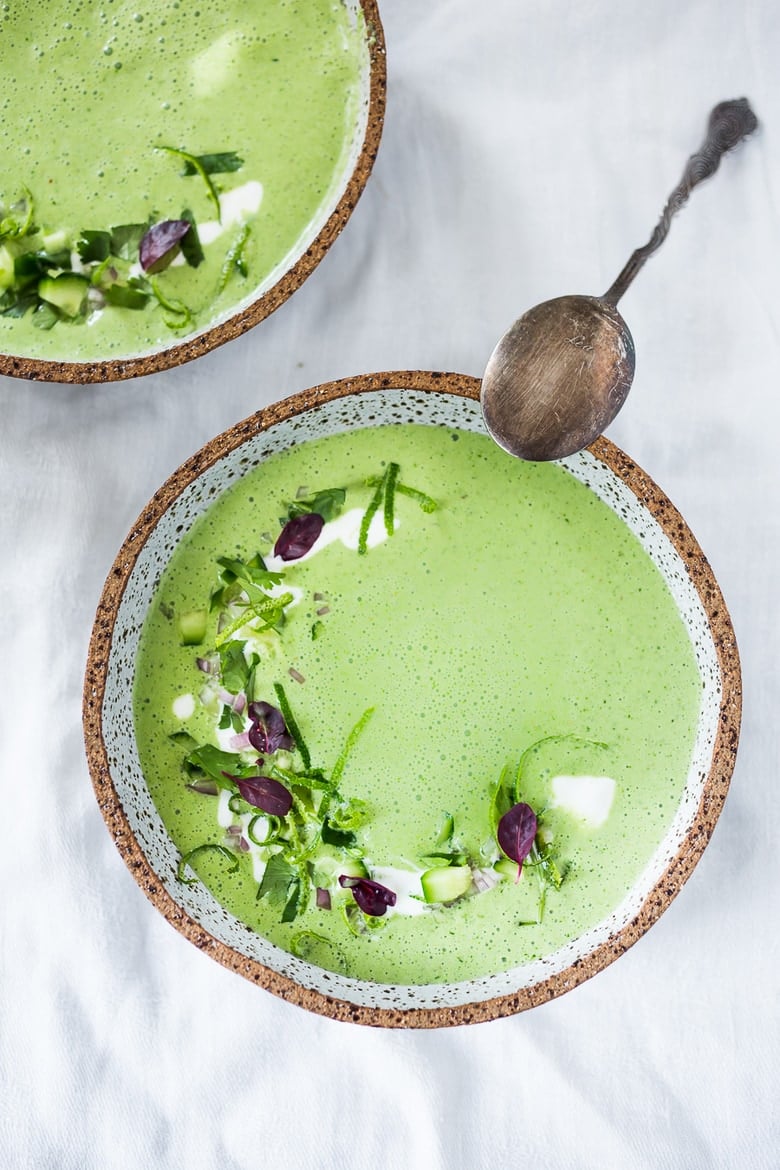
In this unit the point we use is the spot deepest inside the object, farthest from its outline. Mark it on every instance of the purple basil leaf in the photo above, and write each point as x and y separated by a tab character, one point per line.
517	832
268	732
298	536
269	795
161	239
372	898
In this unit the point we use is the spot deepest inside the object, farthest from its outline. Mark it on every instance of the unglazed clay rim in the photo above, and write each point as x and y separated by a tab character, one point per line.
666	886
119	369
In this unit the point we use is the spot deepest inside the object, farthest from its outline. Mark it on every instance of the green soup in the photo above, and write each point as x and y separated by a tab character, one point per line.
91	93
518	633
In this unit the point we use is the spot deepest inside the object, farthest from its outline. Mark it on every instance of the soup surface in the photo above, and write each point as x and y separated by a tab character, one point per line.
117	116
511	647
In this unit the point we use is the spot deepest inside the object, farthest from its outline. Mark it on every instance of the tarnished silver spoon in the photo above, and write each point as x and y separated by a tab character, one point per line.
559	376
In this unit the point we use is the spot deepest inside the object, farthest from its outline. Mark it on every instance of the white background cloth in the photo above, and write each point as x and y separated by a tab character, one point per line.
529	146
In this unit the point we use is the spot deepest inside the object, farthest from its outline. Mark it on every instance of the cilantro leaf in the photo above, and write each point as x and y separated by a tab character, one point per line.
222	163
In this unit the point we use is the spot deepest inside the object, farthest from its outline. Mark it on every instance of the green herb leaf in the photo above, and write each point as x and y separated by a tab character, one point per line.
317	630
126	238
276	881
327	503
215	763
191	247
214	164
194	166
125	296
45	316
233	667
94	246
343	838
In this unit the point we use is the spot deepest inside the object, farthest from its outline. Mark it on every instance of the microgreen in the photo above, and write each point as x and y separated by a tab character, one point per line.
158	245
299	536
372	897
265	793
517	832
219	765
268	732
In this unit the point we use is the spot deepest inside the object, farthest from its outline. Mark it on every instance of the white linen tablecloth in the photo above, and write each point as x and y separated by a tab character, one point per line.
529	146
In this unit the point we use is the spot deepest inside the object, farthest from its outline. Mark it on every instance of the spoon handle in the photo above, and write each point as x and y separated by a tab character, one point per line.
729	123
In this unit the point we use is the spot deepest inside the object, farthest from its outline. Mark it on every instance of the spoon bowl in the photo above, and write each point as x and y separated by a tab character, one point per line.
574	356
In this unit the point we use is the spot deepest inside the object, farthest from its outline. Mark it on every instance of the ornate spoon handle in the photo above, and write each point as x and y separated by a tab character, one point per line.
729	123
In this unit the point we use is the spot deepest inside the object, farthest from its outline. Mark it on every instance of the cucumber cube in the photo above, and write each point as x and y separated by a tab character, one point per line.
192	627
446	883
67	292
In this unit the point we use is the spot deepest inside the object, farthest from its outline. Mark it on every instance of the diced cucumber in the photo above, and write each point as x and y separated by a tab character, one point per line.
329	867
192	626
445	883
66	292
6	267
506	867
54	241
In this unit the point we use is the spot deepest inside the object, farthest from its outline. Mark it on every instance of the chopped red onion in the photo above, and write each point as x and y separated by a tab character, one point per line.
323	898
238	743
296	674
323	610
485	879
207	665
159	242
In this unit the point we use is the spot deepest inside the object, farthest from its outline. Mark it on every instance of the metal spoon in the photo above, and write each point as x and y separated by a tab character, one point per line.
559	376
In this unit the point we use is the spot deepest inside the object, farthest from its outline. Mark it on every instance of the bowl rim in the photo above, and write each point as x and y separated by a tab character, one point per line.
240	321
666	887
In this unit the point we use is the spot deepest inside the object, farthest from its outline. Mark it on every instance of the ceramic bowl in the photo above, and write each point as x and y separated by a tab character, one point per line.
387	399
308	250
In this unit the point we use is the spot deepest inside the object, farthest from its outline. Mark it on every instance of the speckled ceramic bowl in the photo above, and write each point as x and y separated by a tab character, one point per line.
436	399
279	284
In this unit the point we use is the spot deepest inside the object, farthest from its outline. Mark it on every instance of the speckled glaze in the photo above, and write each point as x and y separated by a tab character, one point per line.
435	399
279	285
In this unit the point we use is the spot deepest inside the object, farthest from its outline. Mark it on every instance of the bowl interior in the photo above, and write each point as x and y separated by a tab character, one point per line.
436	400
52	354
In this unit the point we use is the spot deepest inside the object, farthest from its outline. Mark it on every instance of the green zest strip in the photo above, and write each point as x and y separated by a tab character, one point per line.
272	607
187	859
426	502
370	512
352	738
234	258
391	475
292	726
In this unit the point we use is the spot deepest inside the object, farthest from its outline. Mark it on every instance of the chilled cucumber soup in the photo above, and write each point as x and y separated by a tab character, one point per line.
519	628
93	88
